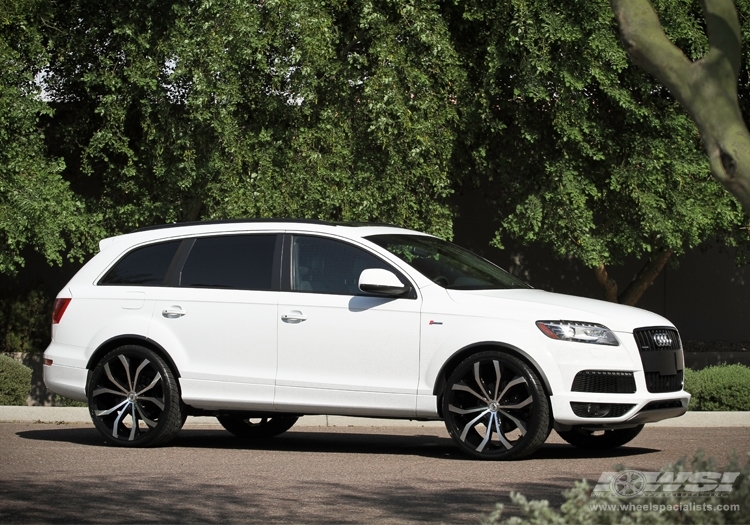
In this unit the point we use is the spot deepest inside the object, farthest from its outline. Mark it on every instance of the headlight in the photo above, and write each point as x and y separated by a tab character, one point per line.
576	331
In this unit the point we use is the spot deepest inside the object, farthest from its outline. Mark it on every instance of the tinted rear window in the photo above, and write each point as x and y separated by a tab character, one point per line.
146	266
240	262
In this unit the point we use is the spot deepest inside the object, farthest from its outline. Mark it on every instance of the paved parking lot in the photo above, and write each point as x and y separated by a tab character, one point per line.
406	474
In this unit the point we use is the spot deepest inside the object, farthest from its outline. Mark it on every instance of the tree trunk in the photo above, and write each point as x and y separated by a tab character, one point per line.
707	88
645	278
638	285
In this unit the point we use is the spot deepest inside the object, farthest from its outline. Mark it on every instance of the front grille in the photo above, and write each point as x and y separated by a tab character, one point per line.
657	339
615	409
604	382
657	383
662	357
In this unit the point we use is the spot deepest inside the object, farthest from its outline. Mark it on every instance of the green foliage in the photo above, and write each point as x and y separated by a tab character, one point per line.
25	321
581	507
15	381
579	149
37	207
719	388
163	111
217	109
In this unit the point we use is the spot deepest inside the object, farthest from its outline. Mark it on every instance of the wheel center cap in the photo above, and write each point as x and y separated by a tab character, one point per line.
493	406
132	396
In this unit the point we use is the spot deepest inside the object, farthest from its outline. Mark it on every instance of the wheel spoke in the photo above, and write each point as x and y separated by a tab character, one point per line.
479	381
500	435
153	383
146	420
117	421
104	390
114	381
126	363
488	432
465	388
517	406
110	410
138	372
471	424
465	410
134	417
157	402
497	381
516	381
520	424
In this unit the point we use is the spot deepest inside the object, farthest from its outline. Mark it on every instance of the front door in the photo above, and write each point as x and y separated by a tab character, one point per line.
342	351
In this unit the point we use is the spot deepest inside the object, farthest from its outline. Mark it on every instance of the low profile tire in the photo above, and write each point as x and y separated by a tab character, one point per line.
134	398
250	427
600	440
494	407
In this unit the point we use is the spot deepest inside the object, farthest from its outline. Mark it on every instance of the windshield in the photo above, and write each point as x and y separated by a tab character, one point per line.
446	264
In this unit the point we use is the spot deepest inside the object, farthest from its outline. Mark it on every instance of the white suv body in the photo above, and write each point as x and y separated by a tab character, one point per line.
259	322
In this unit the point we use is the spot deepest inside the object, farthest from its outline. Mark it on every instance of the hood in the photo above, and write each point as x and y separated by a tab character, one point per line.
547	306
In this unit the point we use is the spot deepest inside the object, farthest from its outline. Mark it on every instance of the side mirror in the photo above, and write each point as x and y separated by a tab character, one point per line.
382	282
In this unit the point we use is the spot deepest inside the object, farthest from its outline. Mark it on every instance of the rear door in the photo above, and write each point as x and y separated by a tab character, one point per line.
219	315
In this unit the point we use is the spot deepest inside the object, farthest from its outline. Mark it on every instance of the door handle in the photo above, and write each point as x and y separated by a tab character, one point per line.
295	316
173	312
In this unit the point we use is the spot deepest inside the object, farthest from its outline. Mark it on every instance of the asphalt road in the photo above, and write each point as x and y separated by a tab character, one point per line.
65	474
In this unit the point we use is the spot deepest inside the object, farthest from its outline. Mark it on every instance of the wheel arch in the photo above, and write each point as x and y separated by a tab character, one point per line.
131	339
450	365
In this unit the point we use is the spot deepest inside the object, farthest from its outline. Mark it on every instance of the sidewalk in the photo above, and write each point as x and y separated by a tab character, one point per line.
69	415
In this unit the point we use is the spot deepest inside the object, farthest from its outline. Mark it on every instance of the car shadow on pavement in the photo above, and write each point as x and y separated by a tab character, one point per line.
335	442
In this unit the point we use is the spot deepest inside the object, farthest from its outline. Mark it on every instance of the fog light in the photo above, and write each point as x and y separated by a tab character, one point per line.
597	410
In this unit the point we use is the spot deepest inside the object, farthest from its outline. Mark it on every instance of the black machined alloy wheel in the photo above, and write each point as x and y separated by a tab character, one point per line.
134	398
257	427
600	440
494	407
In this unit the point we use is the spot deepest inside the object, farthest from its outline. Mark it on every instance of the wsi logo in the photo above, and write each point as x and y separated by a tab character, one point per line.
632	483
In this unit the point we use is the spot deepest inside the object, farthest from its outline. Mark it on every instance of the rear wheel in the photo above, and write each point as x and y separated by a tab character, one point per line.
600	440
247	426
494	407
134	398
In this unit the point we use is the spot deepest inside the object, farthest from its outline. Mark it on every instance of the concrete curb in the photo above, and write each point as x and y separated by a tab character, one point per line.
81	415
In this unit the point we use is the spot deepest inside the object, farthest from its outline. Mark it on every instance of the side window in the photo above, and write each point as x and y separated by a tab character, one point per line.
327	266
146	266
240	262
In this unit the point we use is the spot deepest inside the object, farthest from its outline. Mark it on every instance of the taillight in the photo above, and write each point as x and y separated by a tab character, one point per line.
58	309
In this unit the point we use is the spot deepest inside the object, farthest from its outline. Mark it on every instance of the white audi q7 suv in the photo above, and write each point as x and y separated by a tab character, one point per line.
259	322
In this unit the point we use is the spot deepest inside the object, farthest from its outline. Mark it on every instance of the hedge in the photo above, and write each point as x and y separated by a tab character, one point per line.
15	381
719	388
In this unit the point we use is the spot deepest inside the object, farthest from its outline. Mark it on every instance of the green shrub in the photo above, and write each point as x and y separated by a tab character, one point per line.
15	381
581	506
720	388
25	320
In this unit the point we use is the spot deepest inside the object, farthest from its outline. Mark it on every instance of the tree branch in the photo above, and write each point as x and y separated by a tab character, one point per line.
645	278
707	89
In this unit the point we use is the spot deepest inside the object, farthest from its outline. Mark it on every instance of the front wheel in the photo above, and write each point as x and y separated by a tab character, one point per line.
494	407
134	398
249	427
600	440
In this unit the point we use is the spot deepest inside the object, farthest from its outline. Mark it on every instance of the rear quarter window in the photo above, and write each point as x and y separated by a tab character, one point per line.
145	266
